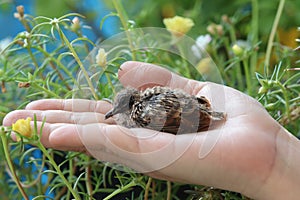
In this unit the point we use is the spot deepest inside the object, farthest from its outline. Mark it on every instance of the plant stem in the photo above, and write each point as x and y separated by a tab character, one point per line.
88	175
90	84
254	34
217	59
272	35
59	64
286	99
10	164
121	189
52	94
110	83
248	76
237	67
124	19
59	172
146	195
71	174
232	34
35	63
25	23
169	188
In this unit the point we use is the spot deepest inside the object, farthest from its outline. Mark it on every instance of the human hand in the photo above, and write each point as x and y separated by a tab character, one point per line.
240	154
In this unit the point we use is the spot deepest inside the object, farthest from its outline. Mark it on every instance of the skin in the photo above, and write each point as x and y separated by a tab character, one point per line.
248	153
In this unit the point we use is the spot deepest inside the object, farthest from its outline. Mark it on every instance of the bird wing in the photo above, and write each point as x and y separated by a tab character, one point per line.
160	112
168	113
203	102
172	113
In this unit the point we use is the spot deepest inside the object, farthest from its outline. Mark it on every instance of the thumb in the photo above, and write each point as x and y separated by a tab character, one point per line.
143	75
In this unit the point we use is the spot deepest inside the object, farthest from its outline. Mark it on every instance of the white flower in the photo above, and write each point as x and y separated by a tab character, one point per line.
201	43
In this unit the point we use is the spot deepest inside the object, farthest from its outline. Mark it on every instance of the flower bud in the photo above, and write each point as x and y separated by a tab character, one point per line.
101	57
3	88
23	85
24	35
20	13
75	24
226	19
262	90
271	83
264	83
20	10
215	29
237	50
270	106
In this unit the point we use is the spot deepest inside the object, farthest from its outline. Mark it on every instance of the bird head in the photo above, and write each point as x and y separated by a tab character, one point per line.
123	102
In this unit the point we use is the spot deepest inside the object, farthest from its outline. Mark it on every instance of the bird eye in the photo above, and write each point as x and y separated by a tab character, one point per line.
131	101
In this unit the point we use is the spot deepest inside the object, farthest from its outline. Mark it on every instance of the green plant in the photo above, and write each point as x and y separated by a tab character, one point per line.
42	62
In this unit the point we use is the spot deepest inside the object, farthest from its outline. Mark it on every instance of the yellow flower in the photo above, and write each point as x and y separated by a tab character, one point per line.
178	26
22	126
101	57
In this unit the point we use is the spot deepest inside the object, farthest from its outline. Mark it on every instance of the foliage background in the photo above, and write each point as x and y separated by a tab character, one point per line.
277	90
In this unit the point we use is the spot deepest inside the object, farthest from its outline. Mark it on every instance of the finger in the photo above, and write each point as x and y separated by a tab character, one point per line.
142	75
57	116
74	105
106	143
65	138
142	149
96	136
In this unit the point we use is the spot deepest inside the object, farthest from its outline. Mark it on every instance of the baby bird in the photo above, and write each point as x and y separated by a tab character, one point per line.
163	109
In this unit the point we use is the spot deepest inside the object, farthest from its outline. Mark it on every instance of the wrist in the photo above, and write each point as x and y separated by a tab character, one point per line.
284	179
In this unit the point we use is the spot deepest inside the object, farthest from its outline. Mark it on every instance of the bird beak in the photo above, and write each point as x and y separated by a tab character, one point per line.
109	114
